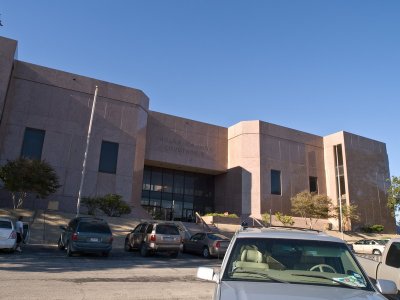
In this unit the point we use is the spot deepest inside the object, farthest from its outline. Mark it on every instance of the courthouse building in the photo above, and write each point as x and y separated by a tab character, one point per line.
167	165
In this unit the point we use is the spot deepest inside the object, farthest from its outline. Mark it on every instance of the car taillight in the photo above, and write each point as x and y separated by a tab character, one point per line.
13	235
74	236
217	244
152	238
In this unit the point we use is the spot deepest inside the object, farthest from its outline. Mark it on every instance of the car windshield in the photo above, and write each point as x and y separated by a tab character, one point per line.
5	224
167	229
294	261
382	242
94	227
216	236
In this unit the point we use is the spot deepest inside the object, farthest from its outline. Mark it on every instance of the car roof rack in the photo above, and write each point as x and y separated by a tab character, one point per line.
295	228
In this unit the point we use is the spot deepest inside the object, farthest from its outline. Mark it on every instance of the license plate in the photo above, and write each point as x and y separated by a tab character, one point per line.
168	238
93	239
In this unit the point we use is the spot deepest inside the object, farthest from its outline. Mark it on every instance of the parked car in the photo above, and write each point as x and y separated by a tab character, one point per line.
86	235
385	267
286	264
153	237
207	244
8	235
370	246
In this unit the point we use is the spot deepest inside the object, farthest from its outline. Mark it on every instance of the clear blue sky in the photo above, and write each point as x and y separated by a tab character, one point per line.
315	66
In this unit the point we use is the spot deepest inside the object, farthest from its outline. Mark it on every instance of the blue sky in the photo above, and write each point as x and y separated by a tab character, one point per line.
316	66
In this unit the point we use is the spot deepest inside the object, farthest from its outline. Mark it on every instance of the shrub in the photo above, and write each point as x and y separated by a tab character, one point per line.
113	205
372	228
92	204
222	215
266	217
284	219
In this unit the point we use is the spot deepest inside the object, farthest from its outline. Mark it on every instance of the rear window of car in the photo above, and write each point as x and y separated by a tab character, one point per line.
5	225
94	227
167	229
214	237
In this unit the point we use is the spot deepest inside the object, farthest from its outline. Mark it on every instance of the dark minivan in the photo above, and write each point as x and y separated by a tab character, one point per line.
86	235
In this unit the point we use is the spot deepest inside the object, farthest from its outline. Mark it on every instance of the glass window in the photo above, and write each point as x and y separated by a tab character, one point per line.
189	184
393	255
178	183
313	184
276	182
146	179
33	143
5	225
168	180
156	180
108	157
93	227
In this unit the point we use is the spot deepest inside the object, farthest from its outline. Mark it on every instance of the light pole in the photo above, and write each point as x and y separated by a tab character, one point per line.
78	204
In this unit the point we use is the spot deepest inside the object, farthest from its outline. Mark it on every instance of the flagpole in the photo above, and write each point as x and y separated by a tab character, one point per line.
78	205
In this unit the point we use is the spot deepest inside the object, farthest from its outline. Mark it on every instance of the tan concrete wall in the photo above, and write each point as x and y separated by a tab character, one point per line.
185	144
8	50
297	155
244	153
60	103
368	171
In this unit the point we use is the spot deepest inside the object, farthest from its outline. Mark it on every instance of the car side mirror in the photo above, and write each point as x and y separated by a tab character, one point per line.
207	274
63	228
386	287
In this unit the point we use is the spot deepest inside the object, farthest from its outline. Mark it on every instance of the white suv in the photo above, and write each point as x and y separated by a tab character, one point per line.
277	263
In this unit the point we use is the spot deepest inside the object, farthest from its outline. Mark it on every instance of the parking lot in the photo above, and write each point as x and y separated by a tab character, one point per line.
44	272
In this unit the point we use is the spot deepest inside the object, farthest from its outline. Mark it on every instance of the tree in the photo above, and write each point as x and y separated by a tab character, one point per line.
113	205
284	219
311	207
393	194
23	176
349	213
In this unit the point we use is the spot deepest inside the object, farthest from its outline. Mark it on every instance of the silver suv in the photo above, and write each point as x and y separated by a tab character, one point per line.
152	237
277	263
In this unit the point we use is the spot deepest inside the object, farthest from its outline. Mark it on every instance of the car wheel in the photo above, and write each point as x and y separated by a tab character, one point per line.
183	248
127	247
377	252
206	252
175	254
60	244
143	250
69	250
105	254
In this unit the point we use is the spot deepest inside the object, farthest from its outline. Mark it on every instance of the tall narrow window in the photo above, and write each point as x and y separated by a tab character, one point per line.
276	182
339	170
313	184
108	157
33	143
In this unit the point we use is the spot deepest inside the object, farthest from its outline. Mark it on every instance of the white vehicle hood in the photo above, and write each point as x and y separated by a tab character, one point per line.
240	290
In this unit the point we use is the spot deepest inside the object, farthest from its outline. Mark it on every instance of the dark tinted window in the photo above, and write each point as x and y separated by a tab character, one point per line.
213	236
150	228
94	227
313	184
393	256
275	182
5	224
33	143
108	157
167	229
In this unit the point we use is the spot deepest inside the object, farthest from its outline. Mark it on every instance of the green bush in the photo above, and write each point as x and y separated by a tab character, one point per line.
113	205
222	215
92	204
284	219
266	217
372	228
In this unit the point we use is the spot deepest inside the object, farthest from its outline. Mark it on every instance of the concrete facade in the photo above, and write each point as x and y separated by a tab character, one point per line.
240	158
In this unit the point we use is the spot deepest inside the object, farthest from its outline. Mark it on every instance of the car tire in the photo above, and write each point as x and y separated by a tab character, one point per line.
105	254
69	250
175	254
206	252
183	249
143	250
127	247
60	244
377	252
